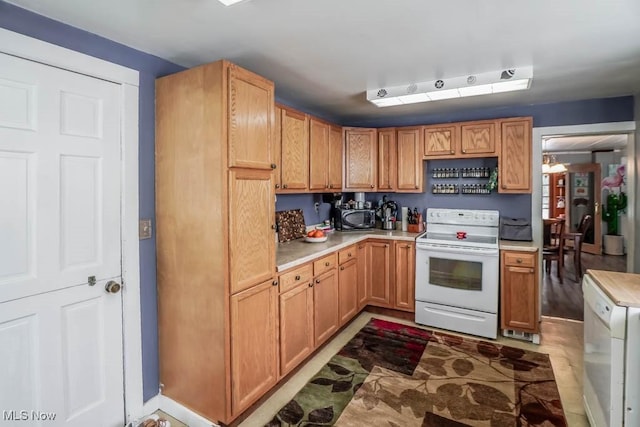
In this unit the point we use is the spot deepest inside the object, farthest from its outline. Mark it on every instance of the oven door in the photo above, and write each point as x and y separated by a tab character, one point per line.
458	276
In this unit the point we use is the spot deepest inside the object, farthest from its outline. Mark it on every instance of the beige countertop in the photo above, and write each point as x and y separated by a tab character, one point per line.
297	252
512	245
622	288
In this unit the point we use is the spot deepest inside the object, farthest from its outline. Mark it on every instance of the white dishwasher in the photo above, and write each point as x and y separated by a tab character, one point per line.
611	359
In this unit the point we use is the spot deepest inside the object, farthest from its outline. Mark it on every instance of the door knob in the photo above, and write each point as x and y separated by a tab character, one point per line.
112	287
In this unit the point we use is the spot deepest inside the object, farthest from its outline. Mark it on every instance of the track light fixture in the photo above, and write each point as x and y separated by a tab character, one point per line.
456	87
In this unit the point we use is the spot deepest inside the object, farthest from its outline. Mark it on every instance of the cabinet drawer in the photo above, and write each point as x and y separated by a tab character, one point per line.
347	254
324	264
520	259
292	278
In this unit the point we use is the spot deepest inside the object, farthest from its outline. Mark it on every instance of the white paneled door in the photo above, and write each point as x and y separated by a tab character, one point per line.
60	330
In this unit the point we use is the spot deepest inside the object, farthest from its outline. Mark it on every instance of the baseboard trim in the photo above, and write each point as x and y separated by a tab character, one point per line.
183	414
151	405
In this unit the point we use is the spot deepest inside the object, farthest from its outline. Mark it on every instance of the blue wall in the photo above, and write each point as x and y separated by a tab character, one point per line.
22	21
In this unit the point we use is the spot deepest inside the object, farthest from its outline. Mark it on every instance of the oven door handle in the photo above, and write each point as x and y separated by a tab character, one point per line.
458	250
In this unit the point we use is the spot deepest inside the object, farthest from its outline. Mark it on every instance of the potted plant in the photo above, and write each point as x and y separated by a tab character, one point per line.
616	203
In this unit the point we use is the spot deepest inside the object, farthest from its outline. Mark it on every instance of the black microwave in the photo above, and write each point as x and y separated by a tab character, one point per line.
354	219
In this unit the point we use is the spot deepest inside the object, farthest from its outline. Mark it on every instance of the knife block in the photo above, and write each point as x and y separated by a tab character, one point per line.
416	228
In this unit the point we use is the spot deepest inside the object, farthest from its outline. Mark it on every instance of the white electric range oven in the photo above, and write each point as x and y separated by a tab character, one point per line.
457	271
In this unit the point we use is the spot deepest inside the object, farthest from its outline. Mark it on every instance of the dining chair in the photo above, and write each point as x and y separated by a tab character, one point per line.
577	238
553	247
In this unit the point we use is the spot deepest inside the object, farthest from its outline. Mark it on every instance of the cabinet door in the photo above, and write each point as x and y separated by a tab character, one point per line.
251	228
251	117
515	156
362	254
405	273
478	138
325	306
410	171
295	150
335	158
254	344
379	274
348	290
360	159
387	162
319	155
441	141
519	296
296	326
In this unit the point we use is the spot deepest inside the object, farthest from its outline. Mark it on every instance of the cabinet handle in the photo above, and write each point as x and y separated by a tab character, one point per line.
327	264
277	185
298	277
284	186
273	165
274	283
519	260
317	280
341	268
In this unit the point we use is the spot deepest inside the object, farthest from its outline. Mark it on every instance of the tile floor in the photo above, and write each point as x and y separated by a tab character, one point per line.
562	339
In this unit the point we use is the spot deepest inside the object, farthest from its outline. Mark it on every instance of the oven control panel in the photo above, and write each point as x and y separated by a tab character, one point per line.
487	218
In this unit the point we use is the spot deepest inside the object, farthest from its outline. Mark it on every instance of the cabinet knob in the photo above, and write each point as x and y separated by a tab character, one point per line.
298	277
341	268
273	165
408	246
284	186
504	186
464	151
274	283
277	185
361	247
311	284
452	152
330	185
519	260
531	270
273	226
327	264
317	280
372	185
416	187
349	254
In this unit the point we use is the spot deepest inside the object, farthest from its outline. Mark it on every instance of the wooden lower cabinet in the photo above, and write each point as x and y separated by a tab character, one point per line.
296	326
405	273
348	290
362	267
254	344
519	297
379	254
325	306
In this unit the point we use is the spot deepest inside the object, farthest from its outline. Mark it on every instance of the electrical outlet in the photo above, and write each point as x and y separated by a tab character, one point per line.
316	206
144	229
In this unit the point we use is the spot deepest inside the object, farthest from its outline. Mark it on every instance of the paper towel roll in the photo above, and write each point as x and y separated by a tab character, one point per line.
405	214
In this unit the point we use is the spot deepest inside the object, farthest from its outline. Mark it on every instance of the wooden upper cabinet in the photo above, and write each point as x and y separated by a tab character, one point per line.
478	138
251	119
441	141
251	219
318	154
294	170
410	165
387	159
335	158
515	155
360	159
254	344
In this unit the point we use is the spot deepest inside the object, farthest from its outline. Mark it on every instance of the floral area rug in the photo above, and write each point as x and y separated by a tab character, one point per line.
399	376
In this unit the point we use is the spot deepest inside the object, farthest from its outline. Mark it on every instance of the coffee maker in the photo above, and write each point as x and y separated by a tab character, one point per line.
387	213
335	200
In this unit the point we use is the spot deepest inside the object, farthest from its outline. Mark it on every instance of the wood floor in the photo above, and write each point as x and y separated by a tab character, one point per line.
565	299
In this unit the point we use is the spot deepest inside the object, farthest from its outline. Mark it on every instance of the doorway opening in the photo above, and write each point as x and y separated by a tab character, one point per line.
585	184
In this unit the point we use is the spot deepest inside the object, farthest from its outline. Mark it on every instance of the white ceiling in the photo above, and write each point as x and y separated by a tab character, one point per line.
584	143
324	54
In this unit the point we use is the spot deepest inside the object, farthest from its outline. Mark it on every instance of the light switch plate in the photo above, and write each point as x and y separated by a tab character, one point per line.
144	229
